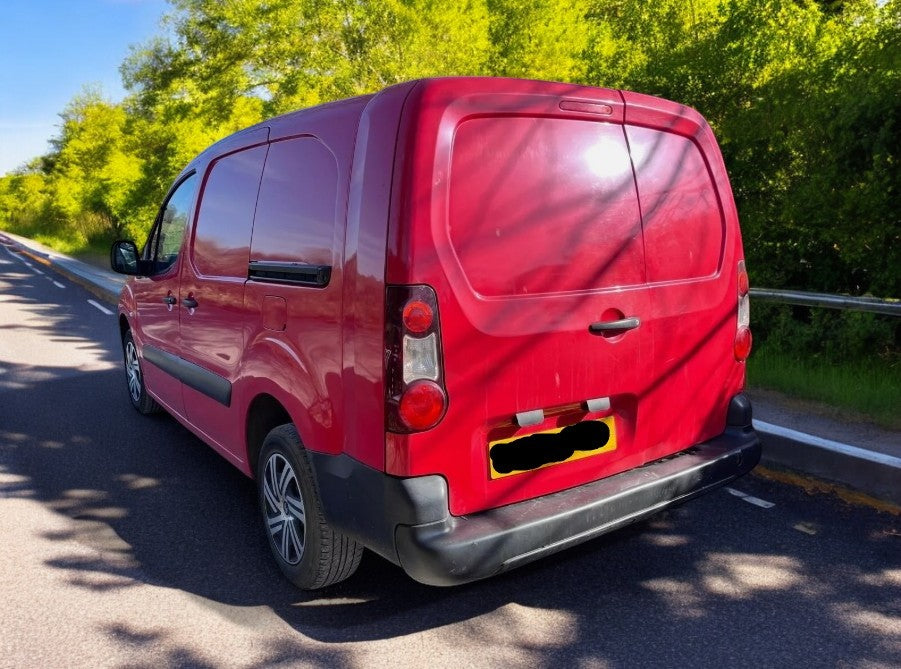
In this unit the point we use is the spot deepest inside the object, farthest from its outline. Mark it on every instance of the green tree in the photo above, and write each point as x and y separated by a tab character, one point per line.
24	200
539	39
91	173
293	53
803	96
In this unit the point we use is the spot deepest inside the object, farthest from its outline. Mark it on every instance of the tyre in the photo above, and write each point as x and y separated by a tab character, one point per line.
137	392
307	549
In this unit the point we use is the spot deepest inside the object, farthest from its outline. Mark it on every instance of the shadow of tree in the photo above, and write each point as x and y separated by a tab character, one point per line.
718	582
717	579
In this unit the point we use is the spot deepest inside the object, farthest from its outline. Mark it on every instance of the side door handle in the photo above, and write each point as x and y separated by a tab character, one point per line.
189	302
170	300
614	327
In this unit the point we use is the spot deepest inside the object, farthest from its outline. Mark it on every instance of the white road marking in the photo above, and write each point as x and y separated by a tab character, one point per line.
101	307
806	528
21	259
58	284
828	444
15	255
750	499
756	501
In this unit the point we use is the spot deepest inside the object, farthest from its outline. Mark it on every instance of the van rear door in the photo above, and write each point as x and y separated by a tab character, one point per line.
520	208
693	247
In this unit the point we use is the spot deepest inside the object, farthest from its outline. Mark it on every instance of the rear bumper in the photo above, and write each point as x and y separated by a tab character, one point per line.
407	520
458	550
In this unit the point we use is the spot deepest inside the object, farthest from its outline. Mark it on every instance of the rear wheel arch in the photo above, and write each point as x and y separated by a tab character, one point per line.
309	551
269	389
264	414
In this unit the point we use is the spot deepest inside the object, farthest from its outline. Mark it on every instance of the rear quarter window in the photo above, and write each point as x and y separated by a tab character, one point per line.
295	219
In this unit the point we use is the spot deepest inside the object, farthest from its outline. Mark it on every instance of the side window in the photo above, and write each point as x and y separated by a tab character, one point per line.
225	215
168	234
295	216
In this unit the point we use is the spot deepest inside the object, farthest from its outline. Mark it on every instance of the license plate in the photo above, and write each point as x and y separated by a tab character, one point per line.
551	447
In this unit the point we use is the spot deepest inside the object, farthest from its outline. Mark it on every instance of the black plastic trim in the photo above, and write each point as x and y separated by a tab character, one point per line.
458	550
614	327
407	520
291	273
192	375
368	504
740	412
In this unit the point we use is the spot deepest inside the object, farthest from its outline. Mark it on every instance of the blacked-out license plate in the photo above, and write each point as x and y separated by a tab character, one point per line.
515	455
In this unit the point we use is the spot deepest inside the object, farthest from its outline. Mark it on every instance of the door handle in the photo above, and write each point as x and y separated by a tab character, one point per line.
613	327
189	302
169	300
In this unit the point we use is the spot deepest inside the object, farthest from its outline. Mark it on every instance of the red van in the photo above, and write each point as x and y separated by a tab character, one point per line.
464	322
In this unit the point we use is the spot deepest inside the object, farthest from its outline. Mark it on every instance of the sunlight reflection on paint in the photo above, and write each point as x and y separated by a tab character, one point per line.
607	158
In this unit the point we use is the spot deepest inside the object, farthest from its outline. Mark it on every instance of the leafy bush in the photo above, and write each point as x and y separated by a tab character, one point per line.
825	333
803	96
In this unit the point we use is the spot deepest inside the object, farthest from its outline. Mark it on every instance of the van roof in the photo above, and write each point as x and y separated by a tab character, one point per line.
681	118
276	125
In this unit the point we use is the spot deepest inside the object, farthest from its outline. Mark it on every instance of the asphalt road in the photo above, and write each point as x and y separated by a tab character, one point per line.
124	541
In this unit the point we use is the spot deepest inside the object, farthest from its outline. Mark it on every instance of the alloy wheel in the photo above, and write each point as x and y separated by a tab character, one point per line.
133	370
285	515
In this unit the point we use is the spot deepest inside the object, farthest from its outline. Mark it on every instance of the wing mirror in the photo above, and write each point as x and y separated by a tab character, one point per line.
125	259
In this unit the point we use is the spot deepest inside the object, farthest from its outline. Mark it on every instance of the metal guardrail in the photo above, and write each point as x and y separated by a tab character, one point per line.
873	305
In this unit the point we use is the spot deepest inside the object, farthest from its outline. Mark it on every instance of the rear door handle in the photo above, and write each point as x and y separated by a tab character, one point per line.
612	327
170	300
189	302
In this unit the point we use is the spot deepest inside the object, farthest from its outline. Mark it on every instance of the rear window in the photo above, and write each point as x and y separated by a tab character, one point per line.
683	220
543	205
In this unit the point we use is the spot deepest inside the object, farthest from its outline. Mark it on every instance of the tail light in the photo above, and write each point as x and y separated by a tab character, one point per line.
415	396
742	347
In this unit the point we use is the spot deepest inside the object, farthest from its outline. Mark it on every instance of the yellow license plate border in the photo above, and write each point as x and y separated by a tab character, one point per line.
577	455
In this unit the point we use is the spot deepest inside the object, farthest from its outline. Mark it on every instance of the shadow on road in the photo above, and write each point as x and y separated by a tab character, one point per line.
710	578
718	579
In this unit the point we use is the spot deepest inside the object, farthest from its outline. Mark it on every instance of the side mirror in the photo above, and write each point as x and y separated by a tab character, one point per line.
125	259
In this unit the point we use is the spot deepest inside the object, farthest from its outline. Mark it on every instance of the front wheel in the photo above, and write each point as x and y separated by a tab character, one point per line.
307	549
137	392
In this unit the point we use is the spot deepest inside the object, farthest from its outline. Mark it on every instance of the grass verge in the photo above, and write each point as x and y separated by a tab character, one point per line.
94	252
870	388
